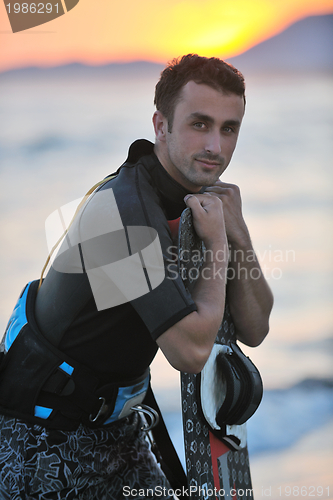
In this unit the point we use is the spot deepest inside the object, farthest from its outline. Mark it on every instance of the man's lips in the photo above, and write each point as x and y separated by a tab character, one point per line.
208	163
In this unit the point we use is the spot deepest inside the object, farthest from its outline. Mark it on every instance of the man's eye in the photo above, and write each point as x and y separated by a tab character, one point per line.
199	125
228	129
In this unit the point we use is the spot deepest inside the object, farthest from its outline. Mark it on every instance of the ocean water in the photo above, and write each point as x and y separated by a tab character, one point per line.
62	133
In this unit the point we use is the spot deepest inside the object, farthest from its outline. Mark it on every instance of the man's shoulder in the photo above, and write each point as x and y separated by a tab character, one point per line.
137	150
139	163
133	187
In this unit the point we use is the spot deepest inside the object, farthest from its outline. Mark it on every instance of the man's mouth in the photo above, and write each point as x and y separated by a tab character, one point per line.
208	163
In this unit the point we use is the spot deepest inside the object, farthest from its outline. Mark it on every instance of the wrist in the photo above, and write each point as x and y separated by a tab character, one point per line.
217	251
240	240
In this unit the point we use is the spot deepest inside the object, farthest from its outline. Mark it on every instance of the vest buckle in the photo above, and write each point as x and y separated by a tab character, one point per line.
100	411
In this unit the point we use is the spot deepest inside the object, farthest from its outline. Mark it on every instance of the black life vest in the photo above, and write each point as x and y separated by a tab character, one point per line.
41	384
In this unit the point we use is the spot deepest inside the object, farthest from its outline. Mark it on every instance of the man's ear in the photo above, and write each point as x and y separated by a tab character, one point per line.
160	126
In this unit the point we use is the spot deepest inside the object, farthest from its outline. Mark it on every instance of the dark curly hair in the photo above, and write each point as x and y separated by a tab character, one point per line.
211	71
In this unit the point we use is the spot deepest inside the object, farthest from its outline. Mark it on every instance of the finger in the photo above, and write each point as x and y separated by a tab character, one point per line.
217	189
198	201
231	190
223	184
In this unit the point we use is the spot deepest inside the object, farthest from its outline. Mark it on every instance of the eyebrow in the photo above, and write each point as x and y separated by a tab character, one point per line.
200	116
209	119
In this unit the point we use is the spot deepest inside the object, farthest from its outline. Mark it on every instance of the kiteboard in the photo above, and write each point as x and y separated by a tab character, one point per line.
217	461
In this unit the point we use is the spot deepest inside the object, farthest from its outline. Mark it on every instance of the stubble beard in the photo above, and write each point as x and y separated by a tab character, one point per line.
190	173
189	170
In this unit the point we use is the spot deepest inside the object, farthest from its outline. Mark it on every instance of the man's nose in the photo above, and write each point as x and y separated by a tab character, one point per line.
213	144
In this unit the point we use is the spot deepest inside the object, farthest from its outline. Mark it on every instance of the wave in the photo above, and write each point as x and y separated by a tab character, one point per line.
283	417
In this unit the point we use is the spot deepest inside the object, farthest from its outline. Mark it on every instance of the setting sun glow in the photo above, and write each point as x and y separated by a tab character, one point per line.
104	31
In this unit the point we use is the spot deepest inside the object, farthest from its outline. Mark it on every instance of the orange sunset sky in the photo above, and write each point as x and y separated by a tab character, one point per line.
104	31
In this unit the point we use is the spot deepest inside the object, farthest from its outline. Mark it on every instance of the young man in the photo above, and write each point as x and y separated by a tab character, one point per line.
81	447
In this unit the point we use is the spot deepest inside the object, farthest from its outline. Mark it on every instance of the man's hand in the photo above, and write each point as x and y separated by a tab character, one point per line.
208	218
236	228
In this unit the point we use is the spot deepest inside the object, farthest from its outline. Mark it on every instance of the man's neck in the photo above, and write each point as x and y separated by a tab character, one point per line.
163	159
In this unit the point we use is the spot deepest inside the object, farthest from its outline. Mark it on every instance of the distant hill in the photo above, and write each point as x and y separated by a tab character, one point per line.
80	69
305	45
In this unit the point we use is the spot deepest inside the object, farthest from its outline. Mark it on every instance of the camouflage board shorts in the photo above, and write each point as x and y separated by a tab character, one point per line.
111	463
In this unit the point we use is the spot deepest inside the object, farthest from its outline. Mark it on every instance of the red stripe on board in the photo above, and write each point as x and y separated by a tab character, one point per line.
234	496
217	448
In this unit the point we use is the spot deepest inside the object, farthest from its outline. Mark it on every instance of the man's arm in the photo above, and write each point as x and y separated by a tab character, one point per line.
249	296
188	343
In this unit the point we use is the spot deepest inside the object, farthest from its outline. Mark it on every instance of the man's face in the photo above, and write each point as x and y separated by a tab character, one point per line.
203	137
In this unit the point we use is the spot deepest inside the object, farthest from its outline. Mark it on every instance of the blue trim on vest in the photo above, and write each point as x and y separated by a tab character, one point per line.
42	412
65	367
18	318
125	396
